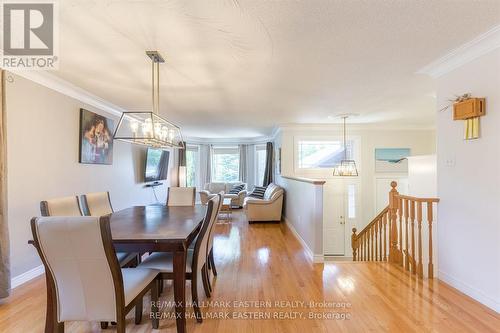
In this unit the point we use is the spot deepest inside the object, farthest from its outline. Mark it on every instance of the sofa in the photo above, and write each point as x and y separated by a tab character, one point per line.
266	209
211	189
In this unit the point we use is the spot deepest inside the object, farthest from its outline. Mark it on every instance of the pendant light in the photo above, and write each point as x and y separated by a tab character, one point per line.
346	168
149	128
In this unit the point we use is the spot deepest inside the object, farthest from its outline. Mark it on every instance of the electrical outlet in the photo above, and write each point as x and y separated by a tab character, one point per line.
449	162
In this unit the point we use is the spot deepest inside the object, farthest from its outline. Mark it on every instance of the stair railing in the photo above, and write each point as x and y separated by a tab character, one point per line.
395	234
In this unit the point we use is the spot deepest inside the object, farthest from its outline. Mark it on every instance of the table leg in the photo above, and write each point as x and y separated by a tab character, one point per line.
180	289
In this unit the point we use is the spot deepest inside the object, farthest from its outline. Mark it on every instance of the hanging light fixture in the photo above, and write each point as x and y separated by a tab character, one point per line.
149	128
346	167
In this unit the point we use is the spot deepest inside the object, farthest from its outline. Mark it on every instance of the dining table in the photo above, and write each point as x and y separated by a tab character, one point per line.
159	228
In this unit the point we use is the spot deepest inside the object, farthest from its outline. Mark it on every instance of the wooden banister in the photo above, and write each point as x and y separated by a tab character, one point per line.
390	236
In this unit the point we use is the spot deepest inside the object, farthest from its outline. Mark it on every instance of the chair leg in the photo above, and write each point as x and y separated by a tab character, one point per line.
138	312
160	287
154	304
194	294
121	324
204	277
104	325
212	262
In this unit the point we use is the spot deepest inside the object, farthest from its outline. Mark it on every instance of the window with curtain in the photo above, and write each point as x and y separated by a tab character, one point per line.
225	164
314	154
260	164
192	165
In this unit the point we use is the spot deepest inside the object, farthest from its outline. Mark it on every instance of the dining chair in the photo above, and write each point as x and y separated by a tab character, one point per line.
64	206
181	196
84	279
196	258
210	267
96	204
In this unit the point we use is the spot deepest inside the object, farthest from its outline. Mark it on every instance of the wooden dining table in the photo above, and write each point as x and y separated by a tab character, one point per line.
160	229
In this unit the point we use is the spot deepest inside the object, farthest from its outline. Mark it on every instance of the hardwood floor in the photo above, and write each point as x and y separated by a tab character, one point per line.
264	262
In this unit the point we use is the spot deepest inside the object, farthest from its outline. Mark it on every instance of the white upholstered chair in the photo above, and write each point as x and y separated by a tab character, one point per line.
266	209
65	206
196	258
84	279
210	267
181	196
99	204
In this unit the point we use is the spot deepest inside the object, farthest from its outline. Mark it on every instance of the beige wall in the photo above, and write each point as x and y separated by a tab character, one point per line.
42	138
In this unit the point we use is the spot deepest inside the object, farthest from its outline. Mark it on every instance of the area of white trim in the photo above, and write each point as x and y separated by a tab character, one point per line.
315	258
470	291
16	281
53	82
469	51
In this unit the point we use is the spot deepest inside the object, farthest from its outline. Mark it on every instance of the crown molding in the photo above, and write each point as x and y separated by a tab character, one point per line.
64	87
465	53
356	127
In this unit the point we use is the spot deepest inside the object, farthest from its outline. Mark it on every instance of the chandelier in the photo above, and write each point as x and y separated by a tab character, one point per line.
149	128
346	167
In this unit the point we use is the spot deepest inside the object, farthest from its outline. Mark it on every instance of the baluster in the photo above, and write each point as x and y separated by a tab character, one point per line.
420	270
371	244
412	218
407	261
384	223
400	218
429	219
354	244
364	246
380	239
375	227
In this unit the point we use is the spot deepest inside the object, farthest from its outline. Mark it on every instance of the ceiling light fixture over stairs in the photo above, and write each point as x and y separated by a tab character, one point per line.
346	168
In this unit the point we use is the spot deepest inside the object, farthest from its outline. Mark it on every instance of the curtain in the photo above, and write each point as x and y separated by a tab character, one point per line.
205	164
4	232
268	171
182	163
243	164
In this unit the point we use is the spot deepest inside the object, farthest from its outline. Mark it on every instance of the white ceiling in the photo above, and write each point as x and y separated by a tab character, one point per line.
238	68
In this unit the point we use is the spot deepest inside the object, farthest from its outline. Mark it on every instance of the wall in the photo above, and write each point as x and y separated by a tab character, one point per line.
468	184
42	139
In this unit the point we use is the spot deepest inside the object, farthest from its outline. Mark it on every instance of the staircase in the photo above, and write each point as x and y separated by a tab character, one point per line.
399	234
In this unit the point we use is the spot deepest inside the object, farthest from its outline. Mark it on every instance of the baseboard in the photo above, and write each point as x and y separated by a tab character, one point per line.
470	291
315	258
16	281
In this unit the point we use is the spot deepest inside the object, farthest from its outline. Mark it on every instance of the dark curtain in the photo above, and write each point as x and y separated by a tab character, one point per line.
182	161
268	171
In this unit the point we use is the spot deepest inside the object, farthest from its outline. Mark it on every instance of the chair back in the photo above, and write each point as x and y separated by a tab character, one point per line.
181	196
65	206
212	231
97	204
81	267
200	248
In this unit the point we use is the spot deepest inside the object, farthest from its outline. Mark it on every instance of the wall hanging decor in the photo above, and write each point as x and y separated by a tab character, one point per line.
469	109
96	140
391	160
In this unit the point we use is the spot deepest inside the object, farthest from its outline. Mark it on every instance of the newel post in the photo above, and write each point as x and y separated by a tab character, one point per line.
354	244
394	252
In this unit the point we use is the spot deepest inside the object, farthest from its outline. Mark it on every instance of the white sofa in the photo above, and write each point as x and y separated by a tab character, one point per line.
211	189
266	209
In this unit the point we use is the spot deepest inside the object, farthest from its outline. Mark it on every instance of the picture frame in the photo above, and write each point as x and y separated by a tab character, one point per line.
95	138
391	160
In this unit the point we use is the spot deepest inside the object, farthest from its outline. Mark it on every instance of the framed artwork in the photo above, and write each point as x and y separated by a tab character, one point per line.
391	160
96	138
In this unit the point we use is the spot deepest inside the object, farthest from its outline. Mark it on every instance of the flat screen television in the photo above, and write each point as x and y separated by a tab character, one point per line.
156	165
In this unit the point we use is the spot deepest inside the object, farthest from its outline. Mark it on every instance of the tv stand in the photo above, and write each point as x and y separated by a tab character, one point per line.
153	184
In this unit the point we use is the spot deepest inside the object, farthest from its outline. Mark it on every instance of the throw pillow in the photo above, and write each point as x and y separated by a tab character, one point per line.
258	192
237	189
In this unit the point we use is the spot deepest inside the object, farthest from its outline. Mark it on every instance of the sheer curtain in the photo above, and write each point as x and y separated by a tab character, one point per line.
268	173
4	232
205	164
181	168
243	169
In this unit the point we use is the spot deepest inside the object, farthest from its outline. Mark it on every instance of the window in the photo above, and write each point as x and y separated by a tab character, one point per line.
260	164
225	164
192	165
322	154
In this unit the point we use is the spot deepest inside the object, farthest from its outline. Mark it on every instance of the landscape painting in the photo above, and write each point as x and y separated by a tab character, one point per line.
96	138
391	160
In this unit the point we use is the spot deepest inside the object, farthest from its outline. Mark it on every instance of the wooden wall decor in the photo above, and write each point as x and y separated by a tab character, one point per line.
469	110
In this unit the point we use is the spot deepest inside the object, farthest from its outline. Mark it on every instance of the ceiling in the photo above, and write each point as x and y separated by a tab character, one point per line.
239	68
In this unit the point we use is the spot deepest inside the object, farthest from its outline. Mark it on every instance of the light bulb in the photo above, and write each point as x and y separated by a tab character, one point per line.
157	131
134	126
